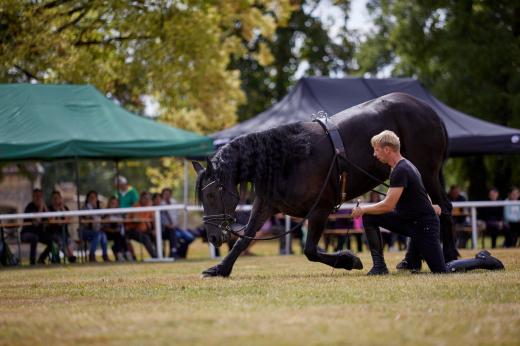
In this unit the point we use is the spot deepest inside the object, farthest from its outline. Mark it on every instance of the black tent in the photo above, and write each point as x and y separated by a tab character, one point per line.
468	135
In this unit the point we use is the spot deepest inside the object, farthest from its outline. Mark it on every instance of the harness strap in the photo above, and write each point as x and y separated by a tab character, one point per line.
332	131
343	187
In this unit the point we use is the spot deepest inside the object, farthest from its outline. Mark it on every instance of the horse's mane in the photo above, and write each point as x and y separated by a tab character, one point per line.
261	158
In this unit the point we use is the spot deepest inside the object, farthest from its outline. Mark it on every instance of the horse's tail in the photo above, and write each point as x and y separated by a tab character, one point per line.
446	200
447	231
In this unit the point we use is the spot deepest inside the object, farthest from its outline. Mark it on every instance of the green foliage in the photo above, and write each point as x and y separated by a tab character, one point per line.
176	51
93	175
467	53
304	40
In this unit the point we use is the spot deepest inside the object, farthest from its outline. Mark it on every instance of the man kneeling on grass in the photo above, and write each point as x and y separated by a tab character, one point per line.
414	215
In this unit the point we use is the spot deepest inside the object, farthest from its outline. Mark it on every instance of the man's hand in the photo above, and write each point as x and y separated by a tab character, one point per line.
357	212
437	209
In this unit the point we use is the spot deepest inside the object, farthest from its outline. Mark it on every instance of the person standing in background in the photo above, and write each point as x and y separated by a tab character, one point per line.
126	195
512	219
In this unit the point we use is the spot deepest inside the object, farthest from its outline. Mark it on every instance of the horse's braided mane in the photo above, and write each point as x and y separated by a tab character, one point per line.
261	158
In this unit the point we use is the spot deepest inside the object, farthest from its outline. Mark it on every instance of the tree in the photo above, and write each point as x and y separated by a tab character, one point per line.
467	53
304	41
176	51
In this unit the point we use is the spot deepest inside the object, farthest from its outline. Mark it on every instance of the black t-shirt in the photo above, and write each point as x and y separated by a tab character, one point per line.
493	214
414	202
36	225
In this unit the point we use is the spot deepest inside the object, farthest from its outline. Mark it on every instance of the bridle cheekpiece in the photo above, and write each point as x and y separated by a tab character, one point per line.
222	221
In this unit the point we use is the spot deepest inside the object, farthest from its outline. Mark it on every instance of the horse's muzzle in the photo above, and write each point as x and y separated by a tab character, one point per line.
215	240
217	236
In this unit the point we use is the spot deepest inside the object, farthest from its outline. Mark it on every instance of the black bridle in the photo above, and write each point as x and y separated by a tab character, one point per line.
222	221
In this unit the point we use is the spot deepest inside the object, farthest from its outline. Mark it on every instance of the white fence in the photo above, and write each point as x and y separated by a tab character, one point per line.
473	205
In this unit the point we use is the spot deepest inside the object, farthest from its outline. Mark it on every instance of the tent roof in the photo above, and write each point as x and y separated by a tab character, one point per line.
42	121
468	135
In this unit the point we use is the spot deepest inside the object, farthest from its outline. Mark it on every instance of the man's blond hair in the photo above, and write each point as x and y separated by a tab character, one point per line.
386	138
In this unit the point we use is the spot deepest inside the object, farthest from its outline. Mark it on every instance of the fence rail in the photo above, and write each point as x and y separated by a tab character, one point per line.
473	205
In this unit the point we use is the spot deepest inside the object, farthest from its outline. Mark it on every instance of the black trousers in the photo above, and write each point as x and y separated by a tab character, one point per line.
119	240
35	237
493	229
144	238
424	234
512	231
169	233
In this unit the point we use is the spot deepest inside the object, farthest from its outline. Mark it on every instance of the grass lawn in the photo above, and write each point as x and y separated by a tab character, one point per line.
282	300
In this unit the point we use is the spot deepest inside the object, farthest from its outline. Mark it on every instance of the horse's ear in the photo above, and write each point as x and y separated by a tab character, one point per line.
198	167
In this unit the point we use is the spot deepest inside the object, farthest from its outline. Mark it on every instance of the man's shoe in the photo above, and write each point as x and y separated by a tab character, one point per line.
482	260
404	265
378	271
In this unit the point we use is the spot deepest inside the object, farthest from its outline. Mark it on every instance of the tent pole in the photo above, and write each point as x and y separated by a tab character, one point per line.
185	199
80	231
76	173
117	180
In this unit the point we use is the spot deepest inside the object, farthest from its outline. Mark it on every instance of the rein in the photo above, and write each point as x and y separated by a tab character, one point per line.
367	174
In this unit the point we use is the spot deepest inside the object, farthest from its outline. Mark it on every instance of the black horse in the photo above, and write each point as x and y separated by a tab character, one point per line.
288	166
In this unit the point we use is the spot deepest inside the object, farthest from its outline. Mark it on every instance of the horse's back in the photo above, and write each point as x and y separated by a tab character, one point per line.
421	132
413	120
397	106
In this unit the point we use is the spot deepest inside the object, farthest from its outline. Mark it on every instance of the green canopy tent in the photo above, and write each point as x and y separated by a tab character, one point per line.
49	122
46	122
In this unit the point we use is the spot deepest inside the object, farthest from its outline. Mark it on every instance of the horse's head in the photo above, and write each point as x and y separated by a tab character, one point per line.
219	198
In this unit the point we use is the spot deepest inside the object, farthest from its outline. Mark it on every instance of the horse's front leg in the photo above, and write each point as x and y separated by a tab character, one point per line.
342	259
259	215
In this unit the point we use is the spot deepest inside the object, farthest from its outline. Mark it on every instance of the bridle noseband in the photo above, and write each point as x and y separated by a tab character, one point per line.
222	221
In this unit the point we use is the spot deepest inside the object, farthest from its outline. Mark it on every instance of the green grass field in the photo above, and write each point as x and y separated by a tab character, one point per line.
281	300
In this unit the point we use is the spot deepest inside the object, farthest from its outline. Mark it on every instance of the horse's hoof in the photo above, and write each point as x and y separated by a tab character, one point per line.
210	273
213	272
348	260
357	264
